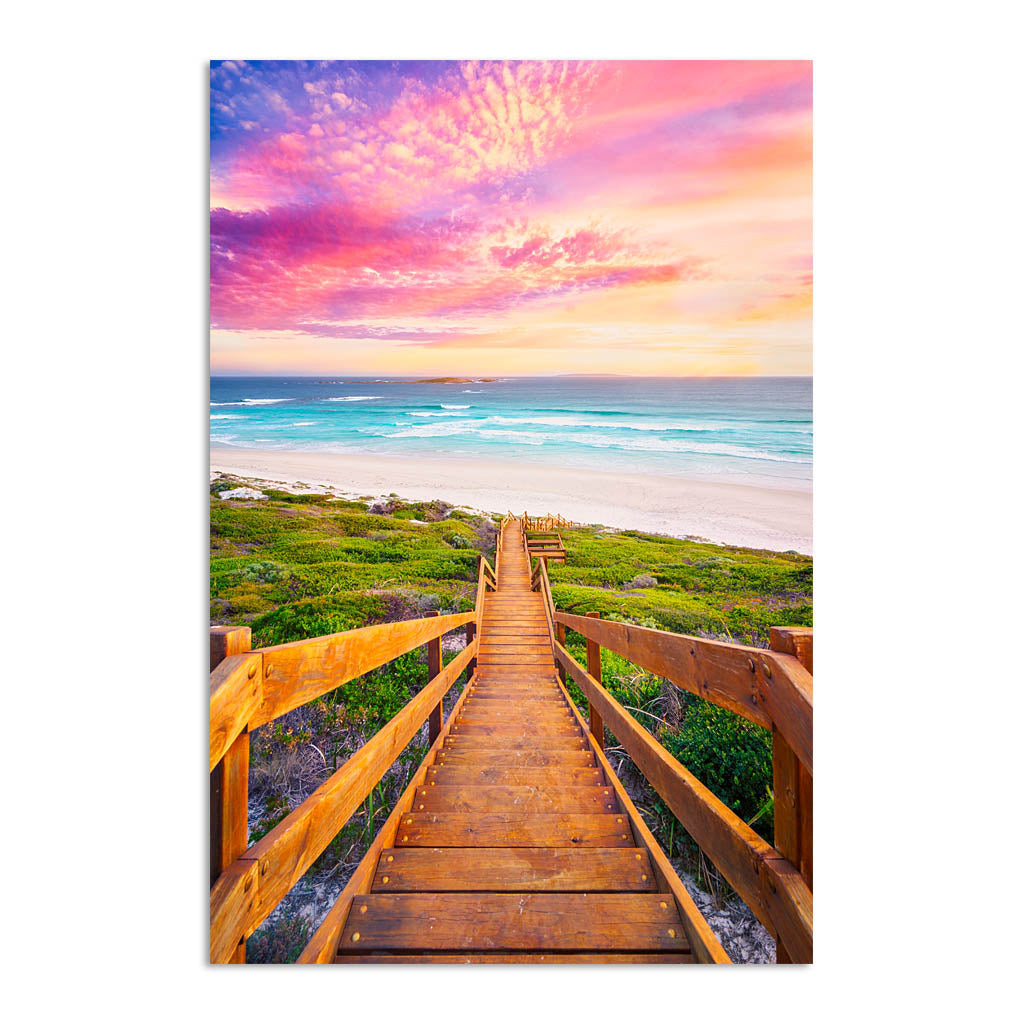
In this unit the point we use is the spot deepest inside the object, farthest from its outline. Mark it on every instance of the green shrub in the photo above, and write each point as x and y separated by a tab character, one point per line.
303	620
731	756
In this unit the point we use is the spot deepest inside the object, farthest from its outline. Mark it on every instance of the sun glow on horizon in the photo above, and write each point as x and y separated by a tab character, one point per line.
520	219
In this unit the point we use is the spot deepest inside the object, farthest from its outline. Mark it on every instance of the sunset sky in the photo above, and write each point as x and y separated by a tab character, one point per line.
470	218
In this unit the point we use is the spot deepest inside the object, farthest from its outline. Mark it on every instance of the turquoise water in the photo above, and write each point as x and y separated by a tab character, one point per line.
747	429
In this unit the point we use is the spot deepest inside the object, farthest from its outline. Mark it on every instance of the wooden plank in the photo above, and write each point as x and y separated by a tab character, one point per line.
499	733
235	683
517	650
560	638
519	712
525	921
560	959
540	692
518	759
470	637
763	686
518	630
596	869
233	901
516	639
229	807
525	702
507	828
541	659
516	643
594	668
503	775
517	682
433	668
703	941
296	673
285	853
227	641
747	861
235	688
791	782
513	688
322	947
529	700
550	743
795	640
532	799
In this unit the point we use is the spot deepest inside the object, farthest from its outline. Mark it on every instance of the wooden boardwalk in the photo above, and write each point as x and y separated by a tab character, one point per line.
517	847
514	840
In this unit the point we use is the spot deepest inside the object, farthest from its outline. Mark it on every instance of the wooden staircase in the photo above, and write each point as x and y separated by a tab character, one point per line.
519	846
514	840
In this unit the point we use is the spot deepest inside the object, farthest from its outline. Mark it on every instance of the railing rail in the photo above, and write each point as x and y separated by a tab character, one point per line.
768	688
548	522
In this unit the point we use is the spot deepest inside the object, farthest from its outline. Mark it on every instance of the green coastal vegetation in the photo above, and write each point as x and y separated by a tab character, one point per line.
298	565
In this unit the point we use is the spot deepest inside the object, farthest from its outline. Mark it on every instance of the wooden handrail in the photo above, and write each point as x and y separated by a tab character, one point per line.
766	687
236	686
767	882
290	675
549	607
243	898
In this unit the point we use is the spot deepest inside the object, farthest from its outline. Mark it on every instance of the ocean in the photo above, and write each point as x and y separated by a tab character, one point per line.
755	430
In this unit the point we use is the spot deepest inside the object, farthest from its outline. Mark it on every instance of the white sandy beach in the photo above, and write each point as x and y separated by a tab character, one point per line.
727	513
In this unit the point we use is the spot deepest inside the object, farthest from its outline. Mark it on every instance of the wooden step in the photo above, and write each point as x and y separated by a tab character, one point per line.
523	715
517	630
610	922
516	958
419	869
517	649
485	659
524	709
514	744
517	758
511	828
501	730
504	775
526	799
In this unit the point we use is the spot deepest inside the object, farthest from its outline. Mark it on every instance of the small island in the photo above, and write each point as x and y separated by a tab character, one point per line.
448	380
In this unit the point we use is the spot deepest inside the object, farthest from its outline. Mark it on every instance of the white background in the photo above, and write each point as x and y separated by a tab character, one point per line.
917	411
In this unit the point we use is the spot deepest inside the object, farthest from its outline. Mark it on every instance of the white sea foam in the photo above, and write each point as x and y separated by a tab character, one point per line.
678	446
355	398
469	391
304	423
439	413
253	401
225	416
443	406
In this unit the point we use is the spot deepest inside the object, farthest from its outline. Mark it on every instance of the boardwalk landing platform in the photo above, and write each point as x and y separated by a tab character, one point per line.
520	844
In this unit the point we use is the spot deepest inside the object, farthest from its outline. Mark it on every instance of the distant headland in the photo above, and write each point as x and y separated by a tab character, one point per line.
425	380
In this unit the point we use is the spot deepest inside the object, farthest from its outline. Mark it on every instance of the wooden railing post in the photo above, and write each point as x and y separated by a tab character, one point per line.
560	637
792	783
470	635
229	780
594	668
433	669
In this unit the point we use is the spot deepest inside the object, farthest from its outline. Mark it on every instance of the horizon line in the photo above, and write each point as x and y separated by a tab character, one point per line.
522	376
